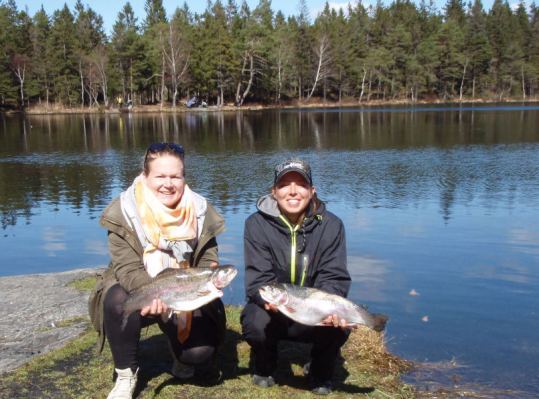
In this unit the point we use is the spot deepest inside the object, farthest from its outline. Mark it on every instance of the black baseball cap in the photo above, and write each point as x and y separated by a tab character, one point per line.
293	165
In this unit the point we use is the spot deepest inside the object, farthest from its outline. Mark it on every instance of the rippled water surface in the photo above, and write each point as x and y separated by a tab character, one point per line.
440	207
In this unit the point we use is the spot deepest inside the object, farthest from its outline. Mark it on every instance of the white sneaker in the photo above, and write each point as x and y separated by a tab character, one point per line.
182	371
125	384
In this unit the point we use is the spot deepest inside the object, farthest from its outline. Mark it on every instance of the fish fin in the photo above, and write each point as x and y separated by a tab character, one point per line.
290	309
203	292
166	316
379	322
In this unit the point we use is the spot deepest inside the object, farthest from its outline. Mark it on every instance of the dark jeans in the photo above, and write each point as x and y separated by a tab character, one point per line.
198	349
263	330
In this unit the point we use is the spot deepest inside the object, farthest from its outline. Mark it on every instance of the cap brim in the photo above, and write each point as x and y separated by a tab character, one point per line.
289	170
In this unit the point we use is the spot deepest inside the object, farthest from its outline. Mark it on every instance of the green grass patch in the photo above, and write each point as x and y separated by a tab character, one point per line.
77	371
85	284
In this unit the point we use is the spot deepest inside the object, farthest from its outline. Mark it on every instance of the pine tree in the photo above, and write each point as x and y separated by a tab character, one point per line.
254	48
62	50
8	35
303	42
281	56
21	59
41	59
451	42
357	49
478	50
155	14
534	48
177	50
522	44
90	54
501	28
264	21
154	28
454	10
213	60
379	61
127	54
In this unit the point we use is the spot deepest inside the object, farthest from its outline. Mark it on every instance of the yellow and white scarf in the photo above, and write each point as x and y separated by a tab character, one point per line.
167	235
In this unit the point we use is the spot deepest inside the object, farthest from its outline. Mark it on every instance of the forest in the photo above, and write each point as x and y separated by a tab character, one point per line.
232	54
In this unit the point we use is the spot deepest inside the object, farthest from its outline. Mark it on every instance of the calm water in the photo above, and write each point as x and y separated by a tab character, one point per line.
443	201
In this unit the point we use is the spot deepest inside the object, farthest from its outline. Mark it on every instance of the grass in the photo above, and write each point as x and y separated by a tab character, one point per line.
85	284
366	370
78	371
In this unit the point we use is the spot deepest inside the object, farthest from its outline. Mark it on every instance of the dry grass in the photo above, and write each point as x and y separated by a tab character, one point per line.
292	103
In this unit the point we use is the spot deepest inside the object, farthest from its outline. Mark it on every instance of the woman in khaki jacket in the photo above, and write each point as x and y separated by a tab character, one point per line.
158	223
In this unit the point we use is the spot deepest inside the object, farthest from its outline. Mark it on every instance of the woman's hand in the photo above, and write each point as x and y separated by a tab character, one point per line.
333	320
271	308
156	308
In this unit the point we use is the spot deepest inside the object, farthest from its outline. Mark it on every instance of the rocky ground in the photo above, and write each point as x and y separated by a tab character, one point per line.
39	313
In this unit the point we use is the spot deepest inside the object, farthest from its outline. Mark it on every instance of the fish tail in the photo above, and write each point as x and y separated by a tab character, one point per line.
379	322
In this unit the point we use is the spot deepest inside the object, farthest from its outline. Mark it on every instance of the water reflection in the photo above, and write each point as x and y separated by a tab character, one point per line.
80	160
53	241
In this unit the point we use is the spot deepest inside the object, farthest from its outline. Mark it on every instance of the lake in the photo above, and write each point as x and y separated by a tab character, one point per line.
440	206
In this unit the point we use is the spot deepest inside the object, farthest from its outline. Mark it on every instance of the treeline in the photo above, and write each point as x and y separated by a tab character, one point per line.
233	54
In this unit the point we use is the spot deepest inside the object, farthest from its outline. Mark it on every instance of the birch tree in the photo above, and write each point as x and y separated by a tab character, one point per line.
323	62
177	56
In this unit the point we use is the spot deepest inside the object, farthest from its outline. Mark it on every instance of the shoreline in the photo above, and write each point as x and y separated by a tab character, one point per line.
47	312
48	350
144	109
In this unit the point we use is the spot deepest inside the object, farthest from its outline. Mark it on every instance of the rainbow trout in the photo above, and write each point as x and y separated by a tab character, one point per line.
310	306
181	289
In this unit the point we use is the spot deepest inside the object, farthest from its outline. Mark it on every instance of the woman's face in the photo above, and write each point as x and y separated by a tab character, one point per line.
293	194
166	180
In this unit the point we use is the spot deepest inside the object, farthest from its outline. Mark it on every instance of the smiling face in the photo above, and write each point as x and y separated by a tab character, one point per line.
165	179
293	194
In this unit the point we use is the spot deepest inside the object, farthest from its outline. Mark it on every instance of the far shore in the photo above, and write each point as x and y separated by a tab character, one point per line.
38	109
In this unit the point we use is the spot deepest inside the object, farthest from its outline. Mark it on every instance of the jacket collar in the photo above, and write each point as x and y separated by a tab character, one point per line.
267	205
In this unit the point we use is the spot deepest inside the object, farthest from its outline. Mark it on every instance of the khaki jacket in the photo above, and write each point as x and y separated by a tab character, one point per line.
127	269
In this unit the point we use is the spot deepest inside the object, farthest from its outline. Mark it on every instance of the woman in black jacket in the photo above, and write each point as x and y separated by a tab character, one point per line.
292	238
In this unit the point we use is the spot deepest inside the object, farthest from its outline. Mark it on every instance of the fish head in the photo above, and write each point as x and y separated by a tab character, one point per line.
275	294
223	275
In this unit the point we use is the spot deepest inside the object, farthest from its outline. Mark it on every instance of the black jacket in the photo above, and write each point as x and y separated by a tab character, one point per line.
320	250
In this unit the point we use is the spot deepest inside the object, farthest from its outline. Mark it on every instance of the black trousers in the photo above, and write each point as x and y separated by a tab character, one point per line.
197	350
263	330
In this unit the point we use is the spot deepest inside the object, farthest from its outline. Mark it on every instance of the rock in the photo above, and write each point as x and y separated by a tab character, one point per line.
32	309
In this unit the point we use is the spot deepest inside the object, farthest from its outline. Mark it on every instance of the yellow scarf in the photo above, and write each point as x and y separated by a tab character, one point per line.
162	224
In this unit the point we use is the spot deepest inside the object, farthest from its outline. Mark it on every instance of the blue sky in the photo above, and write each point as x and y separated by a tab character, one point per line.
109	9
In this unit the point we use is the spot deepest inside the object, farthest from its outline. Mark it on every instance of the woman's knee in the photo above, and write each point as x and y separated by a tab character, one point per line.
197	355
254	324
114	300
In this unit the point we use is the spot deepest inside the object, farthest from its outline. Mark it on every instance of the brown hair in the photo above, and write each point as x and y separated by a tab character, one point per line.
157	150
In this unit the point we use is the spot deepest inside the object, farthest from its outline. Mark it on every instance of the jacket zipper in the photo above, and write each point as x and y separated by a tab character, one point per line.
293	235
